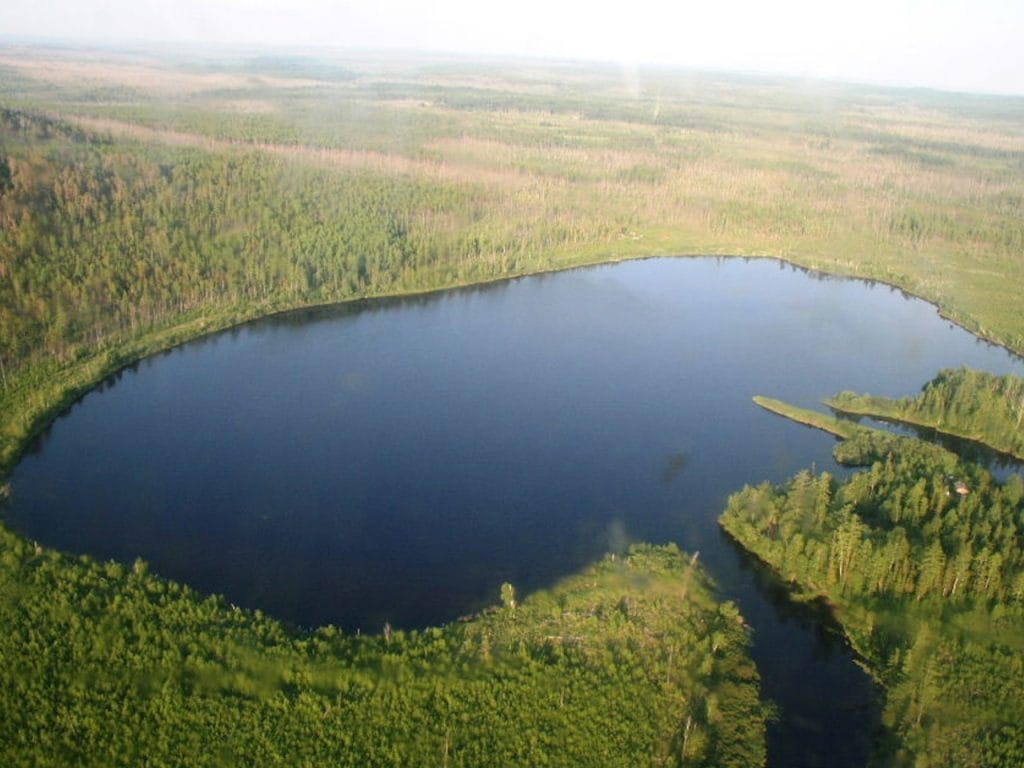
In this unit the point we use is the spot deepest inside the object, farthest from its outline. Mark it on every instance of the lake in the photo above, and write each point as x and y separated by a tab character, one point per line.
396	461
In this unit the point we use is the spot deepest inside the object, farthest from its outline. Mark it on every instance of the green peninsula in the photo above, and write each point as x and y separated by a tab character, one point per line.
920	554
630	662
975	405
825	422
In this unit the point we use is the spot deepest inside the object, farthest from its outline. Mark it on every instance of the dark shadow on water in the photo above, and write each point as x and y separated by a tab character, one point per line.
369	306
836	723
675	465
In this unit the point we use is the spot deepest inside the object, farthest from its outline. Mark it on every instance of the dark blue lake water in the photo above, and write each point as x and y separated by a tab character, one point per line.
397	461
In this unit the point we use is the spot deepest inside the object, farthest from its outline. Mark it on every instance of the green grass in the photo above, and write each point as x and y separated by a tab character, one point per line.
843	428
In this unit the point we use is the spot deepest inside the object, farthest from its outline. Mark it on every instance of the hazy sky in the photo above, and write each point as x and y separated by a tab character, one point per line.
971	45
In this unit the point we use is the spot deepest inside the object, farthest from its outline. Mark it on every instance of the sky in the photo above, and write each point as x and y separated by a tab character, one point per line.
961	45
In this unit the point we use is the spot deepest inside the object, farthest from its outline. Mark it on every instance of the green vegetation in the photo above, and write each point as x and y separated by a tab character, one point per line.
630	662
972	404
921	556
114	250
146	201
826	423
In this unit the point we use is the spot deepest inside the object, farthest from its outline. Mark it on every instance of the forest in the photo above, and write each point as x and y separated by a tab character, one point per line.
632	661
920	556
965	403
149	199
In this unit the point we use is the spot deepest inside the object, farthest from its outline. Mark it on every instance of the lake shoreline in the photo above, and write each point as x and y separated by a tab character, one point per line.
599	325
807	417
36	411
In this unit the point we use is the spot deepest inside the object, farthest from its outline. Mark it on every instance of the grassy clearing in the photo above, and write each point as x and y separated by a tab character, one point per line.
843	428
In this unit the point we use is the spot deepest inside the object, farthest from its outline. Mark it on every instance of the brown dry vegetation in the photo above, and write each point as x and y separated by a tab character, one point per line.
76	70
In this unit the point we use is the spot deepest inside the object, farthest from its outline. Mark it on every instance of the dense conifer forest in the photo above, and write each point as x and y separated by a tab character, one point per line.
921	556
630	661
972	404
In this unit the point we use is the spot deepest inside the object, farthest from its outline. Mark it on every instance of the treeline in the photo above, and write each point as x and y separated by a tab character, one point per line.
560	165
104	239
629	663
964	402
101	237
922	556
921	226
112	249
900	529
